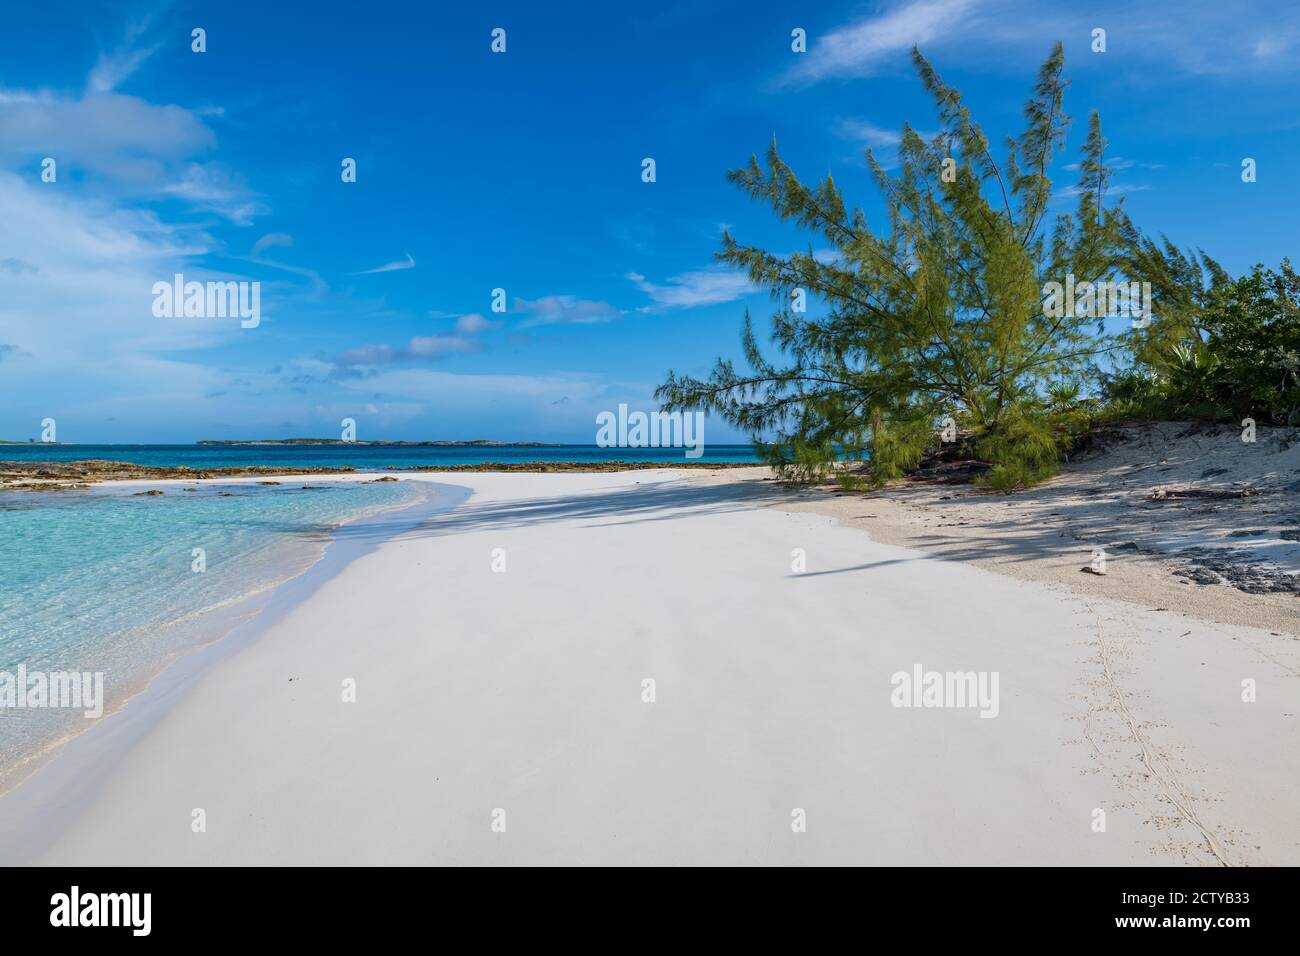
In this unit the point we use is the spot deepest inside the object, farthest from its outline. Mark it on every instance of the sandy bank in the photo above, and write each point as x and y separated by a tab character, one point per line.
1161	502
480	690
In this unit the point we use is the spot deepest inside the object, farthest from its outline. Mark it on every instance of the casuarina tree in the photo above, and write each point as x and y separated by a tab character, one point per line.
935	315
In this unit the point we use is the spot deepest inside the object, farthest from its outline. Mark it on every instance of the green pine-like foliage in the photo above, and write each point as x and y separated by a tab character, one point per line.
934	313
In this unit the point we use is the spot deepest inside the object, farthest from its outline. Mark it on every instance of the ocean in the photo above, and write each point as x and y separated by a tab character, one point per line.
109	581
361	457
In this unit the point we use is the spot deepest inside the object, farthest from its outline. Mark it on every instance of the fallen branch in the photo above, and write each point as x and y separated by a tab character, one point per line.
1169	494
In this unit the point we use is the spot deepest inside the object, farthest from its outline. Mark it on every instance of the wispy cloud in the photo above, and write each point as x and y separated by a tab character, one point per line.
272	239
1118	189
473	324
1207	37
389	267
1119	163
421	347
209	186
864	46
868	134
883	142
87	266
114	68
689	289
565	309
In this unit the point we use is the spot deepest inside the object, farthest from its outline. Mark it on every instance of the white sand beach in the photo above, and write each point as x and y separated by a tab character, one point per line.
521	691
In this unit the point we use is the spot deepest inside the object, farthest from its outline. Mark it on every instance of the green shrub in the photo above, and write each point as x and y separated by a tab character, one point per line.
1023	451
1222	349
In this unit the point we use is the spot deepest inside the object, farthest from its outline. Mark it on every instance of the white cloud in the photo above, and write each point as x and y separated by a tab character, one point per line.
419	347
409	263
1205	37
82	286
129	147
860	131
208	186
124	146
1117	189
473	324
1119	163
100	131
565	309
272	239
865	46
282	239
115	68
436	346
689	289
77	307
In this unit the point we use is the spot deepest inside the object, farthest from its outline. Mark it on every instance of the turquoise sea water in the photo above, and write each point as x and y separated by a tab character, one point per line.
104	580
361	457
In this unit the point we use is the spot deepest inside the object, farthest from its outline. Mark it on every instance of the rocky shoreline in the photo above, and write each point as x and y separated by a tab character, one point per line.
334	442
580	466
69	475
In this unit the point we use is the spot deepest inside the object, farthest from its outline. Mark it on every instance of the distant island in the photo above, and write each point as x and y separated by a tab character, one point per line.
477	443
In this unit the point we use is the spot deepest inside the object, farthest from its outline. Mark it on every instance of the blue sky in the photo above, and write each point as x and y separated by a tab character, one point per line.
522	171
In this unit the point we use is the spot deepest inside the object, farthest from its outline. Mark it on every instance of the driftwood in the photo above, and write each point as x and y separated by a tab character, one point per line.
958	472
950	463
1171	494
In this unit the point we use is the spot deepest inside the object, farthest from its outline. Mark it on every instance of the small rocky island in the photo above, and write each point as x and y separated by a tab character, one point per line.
476	443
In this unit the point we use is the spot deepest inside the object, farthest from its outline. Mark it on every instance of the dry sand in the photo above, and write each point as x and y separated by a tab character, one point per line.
1232	560
522	692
